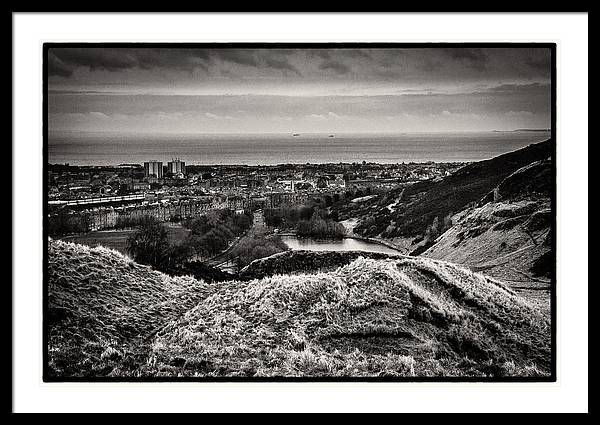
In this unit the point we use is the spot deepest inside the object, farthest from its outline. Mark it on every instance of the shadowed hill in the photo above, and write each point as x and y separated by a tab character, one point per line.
533	181
409	212
290	262
508	235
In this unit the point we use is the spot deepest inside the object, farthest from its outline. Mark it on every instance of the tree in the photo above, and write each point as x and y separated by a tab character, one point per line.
150	243
66	221
179	254
305	212
433	231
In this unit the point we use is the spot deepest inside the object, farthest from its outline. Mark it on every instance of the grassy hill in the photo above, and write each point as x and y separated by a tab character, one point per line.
408	212
369	317
508	234
394	317
103	309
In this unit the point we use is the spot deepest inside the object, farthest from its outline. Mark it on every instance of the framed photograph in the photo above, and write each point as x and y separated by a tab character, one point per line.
323	211
314	212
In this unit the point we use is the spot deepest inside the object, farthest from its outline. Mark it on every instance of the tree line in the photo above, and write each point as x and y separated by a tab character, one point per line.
319	227
306	220
258	246
209	235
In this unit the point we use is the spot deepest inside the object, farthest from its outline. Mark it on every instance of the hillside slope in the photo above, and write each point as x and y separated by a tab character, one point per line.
384	317
103	308
508	234
405	215
394	317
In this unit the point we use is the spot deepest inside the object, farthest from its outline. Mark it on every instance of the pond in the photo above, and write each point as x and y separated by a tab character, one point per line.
345	244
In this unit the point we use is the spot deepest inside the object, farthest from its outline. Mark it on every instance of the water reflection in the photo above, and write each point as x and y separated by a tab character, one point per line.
346	244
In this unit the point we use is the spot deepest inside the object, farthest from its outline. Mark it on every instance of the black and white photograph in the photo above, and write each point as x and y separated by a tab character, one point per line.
336	212
299	211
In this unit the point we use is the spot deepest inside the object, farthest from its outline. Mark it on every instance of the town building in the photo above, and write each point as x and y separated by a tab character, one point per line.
153	169
175	167
141	186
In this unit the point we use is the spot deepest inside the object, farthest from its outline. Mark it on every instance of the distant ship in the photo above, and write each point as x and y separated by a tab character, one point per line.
331	135
296	134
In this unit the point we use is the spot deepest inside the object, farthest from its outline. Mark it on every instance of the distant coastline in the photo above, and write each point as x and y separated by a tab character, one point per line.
273	149
523	129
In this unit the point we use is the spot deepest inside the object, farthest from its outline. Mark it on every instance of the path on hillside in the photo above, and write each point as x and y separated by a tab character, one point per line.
258	225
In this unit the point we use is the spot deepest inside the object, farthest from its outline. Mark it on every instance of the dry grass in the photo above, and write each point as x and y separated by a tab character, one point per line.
498	239
372	317
508	234
396	317
292	262
103	307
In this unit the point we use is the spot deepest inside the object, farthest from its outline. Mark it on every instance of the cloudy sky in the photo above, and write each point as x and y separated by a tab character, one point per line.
147	90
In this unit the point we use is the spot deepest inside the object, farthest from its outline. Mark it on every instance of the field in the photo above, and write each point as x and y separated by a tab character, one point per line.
117	239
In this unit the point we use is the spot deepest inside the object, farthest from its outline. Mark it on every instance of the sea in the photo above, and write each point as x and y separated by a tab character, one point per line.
88	148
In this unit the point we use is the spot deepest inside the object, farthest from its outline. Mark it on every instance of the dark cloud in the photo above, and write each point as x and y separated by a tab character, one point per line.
186	59
241	57
108	59
57	67
339	54
280	63
409	64
319	53
340	61
475	58
540	64
64	61
357	53
336	66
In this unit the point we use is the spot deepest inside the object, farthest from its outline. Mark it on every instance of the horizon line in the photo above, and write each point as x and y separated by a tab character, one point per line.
298	132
